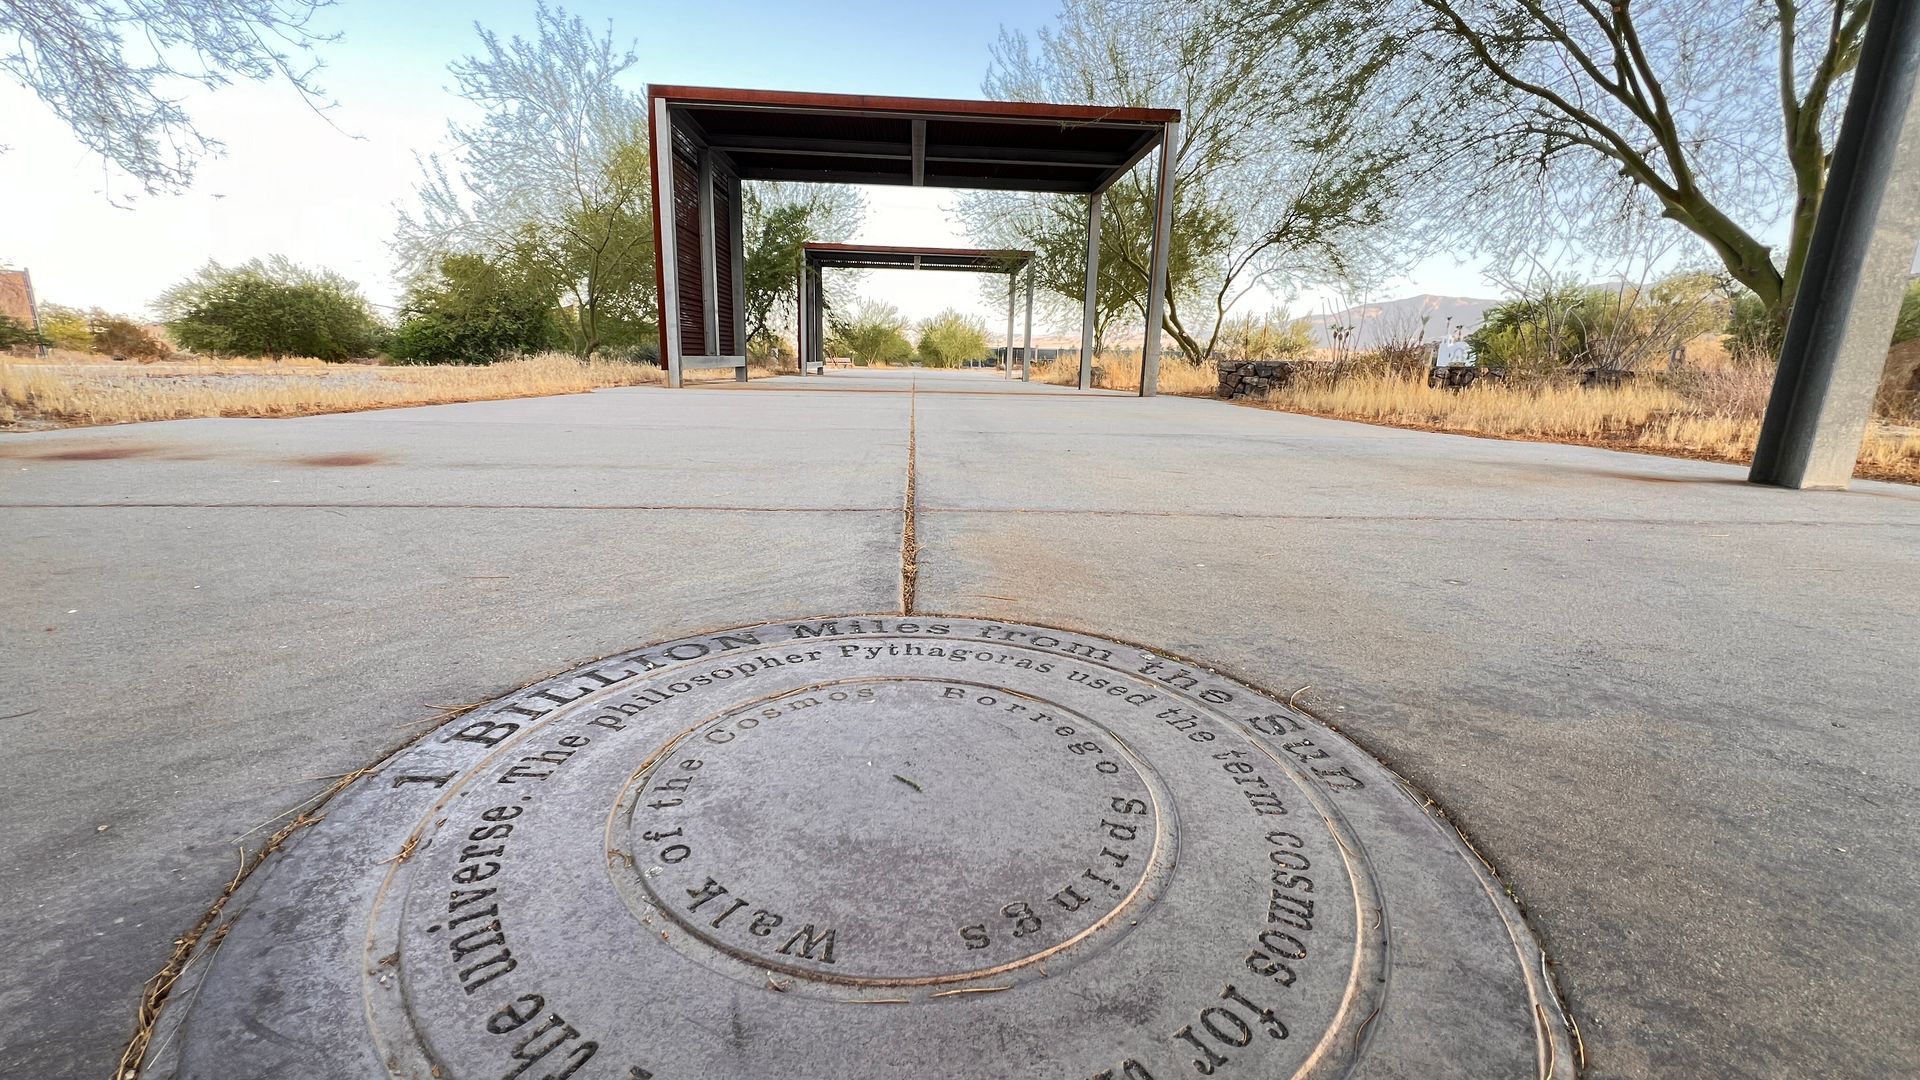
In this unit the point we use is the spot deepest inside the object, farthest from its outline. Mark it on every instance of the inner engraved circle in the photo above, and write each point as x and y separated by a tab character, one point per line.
900	831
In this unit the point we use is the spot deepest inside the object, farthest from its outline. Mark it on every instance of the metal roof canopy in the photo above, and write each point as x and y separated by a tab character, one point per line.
889	257
705	141
815	257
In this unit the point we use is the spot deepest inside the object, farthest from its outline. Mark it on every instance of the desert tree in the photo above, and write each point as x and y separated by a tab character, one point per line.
1578	123
111	70
1258	201
559	152
779	219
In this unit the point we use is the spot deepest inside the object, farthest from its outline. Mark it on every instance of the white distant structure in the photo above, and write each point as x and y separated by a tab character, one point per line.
1453	354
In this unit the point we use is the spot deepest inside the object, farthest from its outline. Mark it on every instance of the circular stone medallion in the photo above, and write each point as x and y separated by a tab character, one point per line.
872	847
951	802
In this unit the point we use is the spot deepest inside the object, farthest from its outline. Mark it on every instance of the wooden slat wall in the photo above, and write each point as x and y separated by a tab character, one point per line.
726	188
686	231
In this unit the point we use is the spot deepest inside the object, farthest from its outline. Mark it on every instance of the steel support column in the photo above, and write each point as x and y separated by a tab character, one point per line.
800	319
663	209
1157	279
1026	348
818	289
737	241
1856	268
1093	291
1006	366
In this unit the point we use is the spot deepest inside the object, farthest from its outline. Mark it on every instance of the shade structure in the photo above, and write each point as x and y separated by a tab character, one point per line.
815	257
705	141
895	257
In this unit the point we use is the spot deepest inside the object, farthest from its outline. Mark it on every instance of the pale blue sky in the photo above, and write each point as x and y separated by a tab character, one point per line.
293	184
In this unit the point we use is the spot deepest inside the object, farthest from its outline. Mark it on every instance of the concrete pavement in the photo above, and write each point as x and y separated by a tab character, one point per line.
1670	707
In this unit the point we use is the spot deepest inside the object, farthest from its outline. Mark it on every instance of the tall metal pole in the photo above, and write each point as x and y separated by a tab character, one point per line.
1026	349
1006	364
817	301
800	318
1093	291
737	246
1157	281
1856	268
662	135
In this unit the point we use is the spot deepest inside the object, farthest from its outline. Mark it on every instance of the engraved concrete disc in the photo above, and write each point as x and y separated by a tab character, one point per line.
873	847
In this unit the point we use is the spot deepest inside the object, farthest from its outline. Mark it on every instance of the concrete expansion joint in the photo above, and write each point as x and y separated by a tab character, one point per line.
909	541
628	507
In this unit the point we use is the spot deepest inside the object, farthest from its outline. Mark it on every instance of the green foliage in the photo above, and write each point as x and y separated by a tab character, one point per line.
1753	331
602	254
1566	325
477	309
873	332
1532	125
1258	198
557	159
14	332
779	220
1907	327
272	307
1535	333
65	327
124	339
951	338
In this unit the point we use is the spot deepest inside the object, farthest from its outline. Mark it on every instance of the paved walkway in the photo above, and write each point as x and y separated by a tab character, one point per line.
1674	709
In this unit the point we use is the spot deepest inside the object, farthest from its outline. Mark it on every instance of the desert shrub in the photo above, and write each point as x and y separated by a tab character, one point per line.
950	338
123	338
66	328
271	308
1753	334
1533	335
872	331
1565	326
476	309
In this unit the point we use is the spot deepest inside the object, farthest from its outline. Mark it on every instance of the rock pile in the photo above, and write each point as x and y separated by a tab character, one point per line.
1255	378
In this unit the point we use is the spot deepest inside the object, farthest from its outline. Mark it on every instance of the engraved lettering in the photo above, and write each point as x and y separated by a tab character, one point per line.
711	890
544	1040
1339	779
822	941
436	781
486	732
722	917
1024	920
507	1018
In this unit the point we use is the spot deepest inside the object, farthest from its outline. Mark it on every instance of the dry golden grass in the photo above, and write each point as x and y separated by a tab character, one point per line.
61	394
1123	373
179	362
1716	416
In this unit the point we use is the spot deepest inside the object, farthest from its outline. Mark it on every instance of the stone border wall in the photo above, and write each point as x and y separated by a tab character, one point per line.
1255	378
